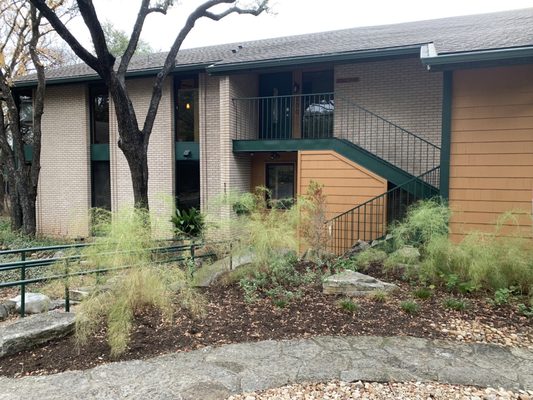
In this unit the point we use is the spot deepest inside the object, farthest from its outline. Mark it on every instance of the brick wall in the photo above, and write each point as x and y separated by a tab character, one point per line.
401	91
64	194
221	170
160	153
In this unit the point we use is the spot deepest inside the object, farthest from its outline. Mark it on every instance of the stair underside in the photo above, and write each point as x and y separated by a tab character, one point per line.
347	149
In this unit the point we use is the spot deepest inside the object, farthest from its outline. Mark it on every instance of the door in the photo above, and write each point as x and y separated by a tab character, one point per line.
275	120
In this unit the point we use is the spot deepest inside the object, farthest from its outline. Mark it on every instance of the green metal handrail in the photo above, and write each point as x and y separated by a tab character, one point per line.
23	265
370	220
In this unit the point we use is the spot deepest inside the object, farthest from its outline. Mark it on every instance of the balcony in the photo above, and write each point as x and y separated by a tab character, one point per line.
305	116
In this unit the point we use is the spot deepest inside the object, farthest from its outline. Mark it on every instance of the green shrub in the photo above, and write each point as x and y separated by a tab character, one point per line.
502	296
424	221
137	286
526	311
370	257
348	305
280	280
188	223
410	306
422	293
379	296
455	304
344	263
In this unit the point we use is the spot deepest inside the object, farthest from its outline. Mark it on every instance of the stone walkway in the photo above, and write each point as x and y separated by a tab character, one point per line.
215	373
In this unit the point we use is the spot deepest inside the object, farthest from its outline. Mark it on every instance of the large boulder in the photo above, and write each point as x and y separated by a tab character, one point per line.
32	331
35	303
350	283
6	307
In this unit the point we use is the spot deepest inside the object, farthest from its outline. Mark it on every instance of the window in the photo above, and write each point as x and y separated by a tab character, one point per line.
319	104
101	185
188	184
280	181
186	109
99	115
100	170
25	103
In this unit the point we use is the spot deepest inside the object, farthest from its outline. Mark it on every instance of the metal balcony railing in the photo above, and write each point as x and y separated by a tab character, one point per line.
326	115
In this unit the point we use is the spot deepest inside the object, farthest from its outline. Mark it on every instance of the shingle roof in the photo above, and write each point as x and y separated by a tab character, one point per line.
507	29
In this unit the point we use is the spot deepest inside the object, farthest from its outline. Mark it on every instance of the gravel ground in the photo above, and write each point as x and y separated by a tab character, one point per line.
478	332
336	390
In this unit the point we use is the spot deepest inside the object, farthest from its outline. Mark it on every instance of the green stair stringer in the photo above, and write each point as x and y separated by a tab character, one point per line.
345	148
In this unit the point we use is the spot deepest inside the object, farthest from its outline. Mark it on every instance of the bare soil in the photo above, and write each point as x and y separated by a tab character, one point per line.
230	319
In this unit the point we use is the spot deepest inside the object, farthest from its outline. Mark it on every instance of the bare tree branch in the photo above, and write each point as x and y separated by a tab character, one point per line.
67	36
200	12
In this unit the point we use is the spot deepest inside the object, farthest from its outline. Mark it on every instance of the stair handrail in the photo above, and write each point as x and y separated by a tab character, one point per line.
417	178
353	103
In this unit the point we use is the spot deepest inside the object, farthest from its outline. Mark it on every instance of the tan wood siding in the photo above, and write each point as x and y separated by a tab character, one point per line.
491	163
346	184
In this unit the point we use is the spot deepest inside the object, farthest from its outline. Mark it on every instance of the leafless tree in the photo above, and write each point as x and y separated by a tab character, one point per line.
23	47
134	138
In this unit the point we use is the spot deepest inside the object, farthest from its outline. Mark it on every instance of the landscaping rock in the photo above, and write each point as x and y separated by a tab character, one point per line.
360	246
350	283
79	294
32	331
7	307
35	303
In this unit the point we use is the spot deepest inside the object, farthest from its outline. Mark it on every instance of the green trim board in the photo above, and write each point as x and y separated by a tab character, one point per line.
433	60
360	55
92	78
446	134
343	147
99	152
187	151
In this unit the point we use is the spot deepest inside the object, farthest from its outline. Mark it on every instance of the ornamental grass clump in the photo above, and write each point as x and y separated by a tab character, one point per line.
424	221
137	284
482	261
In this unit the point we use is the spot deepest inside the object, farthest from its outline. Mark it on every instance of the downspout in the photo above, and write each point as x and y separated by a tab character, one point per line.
447	88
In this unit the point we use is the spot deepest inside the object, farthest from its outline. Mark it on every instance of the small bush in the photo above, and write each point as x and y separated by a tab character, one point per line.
348	305
410	306
280	280
424	221
526	311
422	293
344	263
455	304
502	296
313	221
188	223
370	257
379	296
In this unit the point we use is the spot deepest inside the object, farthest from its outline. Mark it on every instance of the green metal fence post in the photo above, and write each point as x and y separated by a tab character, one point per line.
67	289
23	285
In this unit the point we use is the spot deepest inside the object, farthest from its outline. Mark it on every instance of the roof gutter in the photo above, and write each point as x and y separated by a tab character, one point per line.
430	57
95	77
389	52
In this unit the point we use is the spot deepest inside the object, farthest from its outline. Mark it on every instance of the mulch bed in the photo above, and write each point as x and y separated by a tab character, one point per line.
230	319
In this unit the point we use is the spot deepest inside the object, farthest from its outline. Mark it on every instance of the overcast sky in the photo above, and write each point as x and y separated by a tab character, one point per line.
291	17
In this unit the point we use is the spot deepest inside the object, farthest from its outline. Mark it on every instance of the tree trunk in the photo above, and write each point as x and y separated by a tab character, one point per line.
137	156
15	211
29	216
2	195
